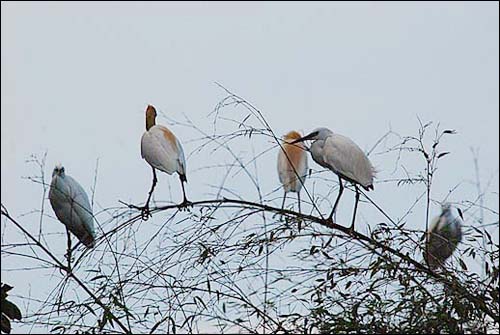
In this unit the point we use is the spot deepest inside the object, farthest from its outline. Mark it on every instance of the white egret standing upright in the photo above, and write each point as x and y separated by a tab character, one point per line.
72	207
342	156
163	151
443	236
292	165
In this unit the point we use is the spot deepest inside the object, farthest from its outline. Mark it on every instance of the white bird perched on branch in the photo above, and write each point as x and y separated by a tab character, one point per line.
443	236
292	166
342	156
163	151
72	207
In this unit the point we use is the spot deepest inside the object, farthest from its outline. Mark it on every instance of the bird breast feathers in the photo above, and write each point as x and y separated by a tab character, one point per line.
297	157
71	203
161	149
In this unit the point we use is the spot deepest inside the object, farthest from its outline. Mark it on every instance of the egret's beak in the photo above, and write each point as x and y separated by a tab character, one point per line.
305	138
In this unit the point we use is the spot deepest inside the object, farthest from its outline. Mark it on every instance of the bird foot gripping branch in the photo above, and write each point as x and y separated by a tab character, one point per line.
145	213
185	205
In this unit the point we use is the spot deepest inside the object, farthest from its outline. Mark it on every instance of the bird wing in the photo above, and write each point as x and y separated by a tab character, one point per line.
343	156
72	208
161	149
282	167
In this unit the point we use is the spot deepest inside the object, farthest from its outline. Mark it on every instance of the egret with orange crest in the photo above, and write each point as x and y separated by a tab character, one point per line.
163	151
292	165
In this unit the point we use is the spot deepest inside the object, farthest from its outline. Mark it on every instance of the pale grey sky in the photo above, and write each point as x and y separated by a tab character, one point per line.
76	79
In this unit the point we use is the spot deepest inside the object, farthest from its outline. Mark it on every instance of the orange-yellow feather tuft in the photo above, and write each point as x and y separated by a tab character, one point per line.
150	117
292	135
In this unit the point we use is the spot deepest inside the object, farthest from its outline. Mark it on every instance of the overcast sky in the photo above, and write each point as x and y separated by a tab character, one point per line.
76	79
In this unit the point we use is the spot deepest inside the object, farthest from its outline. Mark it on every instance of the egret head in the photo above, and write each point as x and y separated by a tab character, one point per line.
291	136
316	134
448	209
445	206
58	170
150	116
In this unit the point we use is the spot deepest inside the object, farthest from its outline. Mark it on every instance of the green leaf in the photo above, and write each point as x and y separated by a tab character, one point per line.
59	328
196	298
462	264
11	310
312	250
6	287
91	310
5	324
98	277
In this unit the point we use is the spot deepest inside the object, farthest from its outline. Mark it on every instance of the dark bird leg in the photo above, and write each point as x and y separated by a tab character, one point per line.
355	208
300	220
334	210
185	202
298	197
283	203
68	254
145	210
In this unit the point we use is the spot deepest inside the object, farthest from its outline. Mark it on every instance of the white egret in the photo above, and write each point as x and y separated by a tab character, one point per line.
163	151
292	165
72	207
342	156
443	236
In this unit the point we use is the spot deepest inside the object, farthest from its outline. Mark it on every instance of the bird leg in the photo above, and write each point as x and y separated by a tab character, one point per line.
334	210
299	220
185	202
283	203
68	253
145	210
298	197
283	206
355	208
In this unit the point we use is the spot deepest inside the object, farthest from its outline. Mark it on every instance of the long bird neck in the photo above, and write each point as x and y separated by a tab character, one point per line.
150	120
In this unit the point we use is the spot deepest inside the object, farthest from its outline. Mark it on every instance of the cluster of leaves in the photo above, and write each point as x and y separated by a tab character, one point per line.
9	311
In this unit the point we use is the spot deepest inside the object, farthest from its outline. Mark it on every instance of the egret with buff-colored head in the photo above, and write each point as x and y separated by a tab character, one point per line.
292	165
163	151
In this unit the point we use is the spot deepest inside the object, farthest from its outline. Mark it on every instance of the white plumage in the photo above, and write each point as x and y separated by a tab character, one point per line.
342	156
163	151
443	236
71	205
